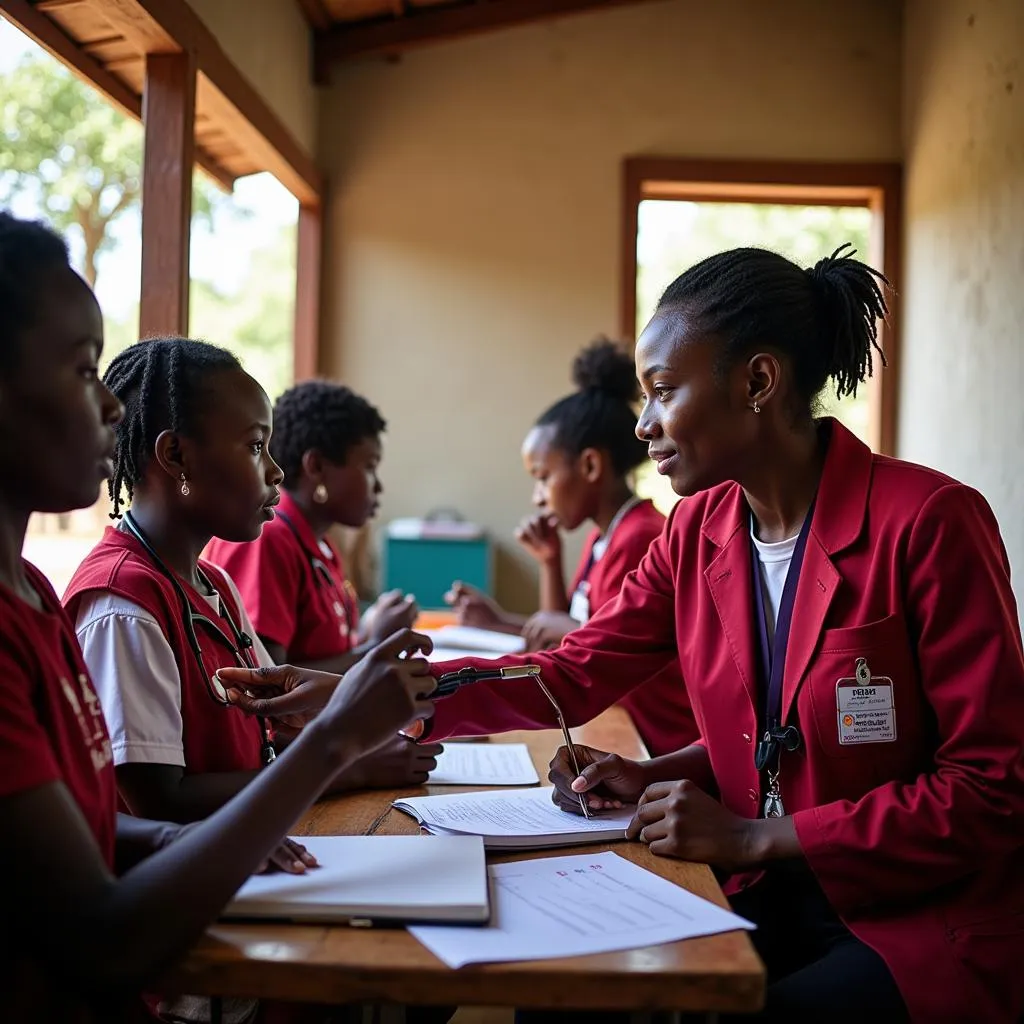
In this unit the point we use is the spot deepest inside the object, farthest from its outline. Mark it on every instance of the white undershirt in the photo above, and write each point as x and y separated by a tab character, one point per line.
136	677
774	560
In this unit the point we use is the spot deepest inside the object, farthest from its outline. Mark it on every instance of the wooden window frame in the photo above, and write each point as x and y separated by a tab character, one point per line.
877	186
192	72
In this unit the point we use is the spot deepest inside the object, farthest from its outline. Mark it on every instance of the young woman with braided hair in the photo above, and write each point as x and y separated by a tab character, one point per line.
154	620
97	904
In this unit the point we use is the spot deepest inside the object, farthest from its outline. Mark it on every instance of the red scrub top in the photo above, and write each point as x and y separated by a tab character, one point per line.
915	837
51	730
660	709
293	586
215	737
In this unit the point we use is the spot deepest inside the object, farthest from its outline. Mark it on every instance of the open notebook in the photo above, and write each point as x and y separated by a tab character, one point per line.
362	879
513	820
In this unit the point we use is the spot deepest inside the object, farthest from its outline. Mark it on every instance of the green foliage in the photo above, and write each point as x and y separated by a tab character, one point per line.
254	322
674	235
78	157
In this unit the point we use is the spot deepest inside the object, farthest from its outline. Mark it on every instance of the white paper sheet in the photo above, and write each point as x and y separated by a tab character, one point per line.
575	906
520	819
403	878
476	643
484	764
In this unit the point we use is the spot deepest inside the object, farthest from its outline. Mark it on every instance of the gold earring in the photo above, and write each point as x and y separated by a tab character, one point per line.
320	494
185	490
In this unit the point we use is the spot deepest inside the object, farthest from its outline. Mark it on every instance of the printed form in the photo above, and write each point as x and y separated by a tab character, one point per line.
576	906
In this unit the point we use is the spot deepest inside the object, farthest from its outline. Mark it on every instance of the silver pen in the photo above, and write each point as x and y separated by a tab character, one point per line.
448	683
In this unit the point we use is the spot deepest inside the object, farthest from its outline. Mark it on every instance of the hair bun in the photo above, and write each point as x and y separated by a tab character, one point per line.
607	367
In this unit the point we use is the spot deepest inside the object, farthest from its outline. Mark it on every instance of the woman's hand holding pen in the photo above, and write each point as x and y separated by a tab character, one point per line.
609	781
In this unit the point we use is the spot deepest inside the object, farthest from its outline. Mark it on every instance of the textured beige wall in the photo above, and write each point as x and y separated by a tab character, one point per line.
269	42
963	304
473	226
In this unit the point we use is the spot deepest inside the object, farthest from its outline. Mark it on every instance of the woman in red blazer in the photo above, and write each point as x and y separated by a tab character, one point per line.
876	840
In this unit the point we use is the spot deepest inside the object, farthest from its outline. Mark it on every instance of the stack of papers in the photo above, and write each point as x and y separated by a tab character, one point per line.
577	906
374	878
484	764
517	820
452	643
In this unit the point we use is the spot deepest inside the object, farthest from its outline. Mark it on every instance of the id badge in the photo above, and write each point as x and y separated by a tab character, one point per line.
579	606
865	712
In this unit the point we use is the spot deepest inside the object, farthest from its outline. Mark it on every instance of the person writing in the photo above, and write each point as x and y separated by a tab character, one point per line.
848	636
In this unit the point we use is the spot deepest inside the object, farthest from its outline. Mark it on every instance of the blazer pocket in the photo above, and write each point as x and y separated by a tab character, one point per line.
885	646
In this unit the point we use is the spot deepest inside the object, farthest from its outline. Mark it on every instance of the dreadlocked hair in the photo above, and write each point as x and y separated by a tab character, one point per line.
318	415
160	382
600	413
825	318
29	250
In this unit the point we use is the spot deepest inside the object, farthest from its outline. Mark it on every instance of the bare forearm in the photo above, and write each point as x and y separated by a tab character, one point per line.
691	763
773	839
164	793
184	886
552	587
139	838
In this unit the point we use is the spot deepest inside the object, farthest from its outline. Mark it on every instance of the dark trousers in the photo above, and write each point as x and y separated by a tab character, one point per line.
817	969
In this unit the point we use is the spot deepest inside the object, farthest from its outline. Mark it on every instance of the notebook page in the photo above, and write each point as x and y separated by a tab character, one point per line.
484	764
517	814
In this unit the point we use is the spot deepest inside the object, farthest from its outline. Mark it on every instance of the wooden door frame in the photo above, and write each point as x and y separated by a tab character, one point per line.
877	186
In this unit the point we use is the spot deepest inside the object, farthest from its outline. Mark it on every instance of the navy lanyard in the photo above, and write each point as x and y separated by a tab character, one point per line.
773	655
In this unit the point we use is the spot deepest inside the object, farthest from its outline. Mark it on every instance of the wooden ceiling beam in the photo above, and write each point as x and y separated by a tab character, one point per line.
51	38
316	14
388	36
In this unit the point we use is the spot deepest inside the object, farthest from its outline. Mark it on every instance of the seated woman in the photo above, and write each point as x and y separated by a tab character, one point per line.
291	577
581	453
851	648
98	904
155	622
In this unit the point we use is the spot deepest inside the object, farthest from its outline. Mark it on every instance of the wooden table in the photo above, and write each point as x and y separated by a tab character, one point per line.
349	965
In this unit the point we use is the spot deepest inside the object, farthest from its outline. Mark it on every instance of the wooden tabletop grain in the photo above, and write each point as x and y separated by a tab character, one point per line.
344	965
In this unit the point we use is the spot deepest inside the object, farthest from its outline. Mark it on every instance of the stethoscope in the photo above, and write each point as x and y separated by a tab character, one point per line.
241	648
321	572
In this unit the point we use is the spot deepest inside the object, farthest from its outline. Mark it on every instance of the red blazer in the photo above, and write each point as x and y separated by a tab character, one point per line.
917	843
216	738
659	708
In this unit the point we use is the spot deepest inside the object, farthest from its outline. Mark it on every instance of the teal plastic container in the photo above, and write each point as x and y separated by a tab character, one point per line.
427	566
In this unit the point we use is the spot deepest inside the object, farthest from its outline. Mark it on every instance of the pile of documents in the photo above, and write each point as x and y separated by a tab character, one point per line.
465	911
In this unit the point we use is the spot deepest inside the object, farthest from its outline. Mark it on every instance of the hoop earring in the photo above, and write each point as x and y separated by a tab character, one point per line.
185	489
320	494
757	408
